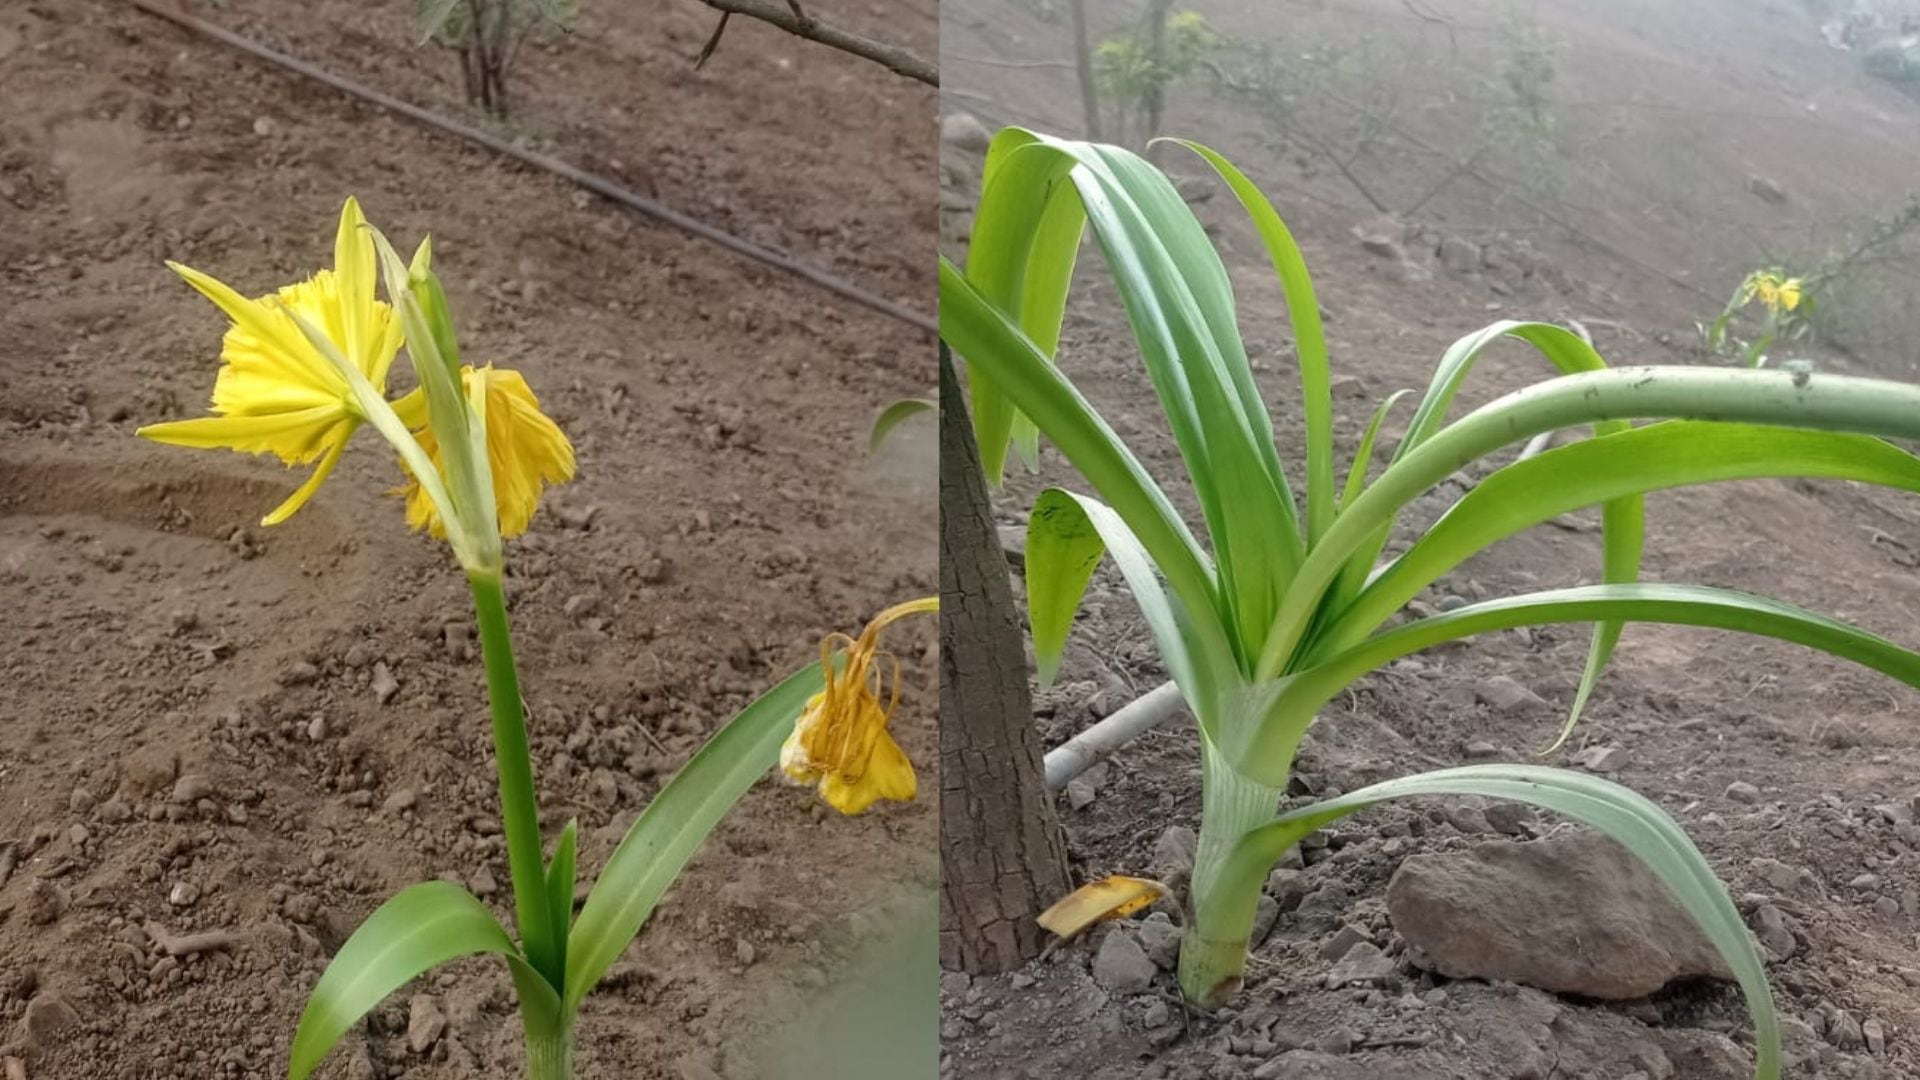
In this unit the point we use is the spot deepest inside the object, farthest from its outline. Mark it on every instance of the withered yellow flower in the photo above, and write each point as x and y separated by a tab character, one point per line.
275	392
525	449
841	742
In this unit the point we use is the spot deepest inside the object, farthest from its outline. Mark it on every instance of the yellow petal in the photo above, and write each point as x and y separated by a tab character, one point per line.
888	775
1114	897
305	491
355	276
258	319
526	450
297	437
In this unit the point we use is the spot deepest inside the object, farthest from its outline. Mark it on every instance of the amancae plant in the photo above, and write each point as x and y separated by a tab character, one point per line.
302	370
1285	606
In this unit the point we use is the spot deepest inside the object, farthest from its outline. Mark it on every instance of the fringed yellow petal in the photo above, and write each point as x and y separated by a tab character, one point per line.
1113	897
319	475
296	437
526	450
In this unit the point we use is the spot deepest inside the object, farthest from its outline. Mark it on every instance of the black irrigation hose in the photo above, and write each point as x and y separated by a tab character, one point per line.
597	184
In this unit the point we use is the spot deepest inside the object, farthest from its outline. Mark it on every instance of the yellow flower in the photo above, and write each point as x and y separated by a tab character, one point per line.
525	450
841	741
1789	294
275	392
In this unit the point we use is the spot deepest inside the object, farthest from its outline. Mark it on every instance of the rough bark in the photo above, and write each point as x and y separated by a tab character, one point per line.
1002	854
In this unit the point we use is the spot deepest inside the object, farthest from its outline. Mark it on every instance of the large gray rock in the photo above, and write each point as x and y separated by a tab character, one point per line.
1577	915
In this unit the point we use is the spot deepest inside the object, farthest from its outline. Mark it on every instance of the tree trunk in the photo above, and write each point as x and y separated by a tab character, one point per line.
1002	854
1156	102
1083	60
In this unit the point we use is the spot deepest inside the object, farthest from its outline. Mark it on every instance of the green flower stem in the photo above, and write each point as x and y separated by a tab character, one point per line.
519	813
550	1054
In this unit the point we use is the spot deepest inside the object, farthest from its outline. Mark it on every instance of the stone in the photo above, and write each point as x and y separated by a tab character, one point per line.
1510	818
1459	255
1603	759
1287	887
1742	792
1320	910
1504	694
383	684
1384	236
1266	912
191	788
402	799
483	884
425	1023
1770	927
964	131
1766	189
49	1016
1363	965
1573	915
1875	1035
183	894
1173	852
1160	940
1122	965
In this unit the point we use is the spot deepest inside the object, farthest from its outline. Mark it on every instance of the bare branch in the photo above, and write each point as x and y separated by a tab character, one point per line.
787	15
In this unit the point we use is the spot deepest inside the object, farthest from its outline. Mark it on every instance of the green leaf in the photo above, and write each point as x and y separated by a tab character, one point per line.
1302	694
1310	339
433	17
995	348
893	416
560	885
1063	550
1787	399
1363	455
666	834
418	929
1634	821
1066	536
1671	454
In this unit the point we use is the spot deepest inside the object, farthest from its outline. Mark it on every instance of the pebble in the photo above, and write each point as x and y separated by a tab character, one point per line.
191	788
183	894
1603	759
384	684
1363	965
1173	852
1864	882
80	801
49	1017
1160	940
299	673
1121	965
1505	694
1742	792
401	800
743	952
1875	1035
425	1023
483	884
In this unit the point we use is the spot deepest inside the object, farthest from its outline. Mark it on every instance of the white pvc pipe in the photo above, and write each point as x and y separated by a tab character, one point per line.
1078	754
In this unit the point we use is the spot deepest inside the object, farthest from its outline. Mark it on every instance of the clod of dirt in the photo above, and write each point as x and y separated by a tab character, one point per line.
1742	792
1603	759
191	788
1173	852
1122	965
46	902
384	684
1771	926
964	131
1576	916
425	1023
1363	965
148	771
1160	940
48	1017
1504	694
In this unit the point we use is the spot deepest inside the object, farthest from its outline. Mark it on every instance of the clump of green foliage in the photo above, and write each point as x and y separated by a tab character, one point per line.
1521	124
487	36
1134	72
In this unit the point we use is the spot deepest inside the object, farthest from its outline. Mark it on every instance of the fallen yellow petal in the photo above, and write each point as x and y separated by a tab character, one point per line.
1114	897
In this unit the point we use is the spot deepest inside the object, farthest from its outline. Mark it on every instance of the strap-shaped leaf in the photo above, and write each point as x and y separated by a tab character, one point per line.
1671	454
1638	824
1302	694
560	884
892	417
419	928
1787	399
994	347
1066	535
1309	336
674	825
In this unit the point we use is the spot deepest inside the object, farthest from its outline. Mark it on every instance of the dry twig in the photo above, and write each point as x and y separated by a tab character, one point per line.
789	16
